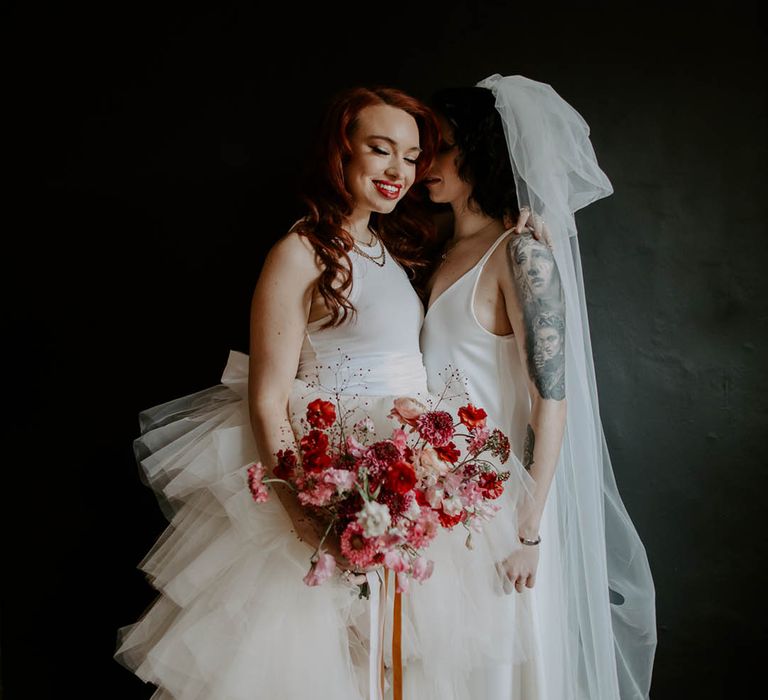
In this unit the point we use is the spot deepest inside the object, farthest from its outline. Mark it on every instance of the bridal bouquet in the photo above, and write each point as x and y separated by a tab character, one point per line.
386	499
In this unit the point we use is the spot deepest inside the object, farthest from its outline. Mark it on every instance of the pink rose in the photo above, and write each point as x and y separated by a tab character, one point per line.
407	410
428	462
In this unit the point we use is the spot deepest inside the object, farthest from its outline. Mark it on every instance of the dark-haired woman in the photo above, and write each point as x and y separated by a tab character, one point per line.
333	310
508	310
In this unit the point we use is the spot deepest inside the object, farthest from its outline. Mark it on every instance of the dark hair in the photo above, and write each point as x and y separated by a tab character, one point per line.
483	154
406	231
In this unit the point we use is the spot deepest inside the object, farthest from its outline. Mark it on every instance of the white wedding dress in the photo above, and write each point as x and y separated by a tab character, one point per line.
233	619
562	666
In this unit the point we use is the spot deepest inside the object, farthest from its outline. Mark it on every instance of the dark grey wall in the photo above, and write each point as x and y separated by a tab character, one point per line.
155	153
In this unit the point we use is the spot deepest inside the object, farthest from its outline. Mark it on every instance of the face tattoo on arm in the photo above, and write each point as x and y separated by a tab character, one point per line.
540	291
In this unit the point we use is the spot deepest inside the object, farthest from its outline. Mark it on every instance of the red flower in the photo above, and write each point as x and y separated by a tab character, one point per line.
321	414
472	417
448	521
421	499
286	464
401	477
448	453
436	427
314	446
490	484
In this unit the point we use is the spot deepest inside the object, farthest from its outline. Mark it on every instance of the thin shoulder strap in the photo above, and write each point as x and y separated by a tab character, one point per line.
490	250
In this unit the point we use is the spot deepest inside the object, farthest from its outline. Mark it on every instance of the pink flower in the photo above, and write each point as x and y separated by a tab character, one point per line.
258	490
477	443
452	483
434	496
356	547
354	447
321	570
422	569
314	492
402	582
342	479
424	530
470	493
407	410
394	560
400	440
427	462
435	427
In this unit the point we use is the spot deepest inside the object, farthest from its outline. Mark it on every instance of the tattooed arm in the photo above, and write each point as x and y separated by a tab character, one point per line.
535	303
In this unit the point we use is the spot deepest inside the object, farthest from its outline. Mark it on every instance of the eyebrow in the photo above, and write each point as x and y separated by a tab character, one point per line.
393	142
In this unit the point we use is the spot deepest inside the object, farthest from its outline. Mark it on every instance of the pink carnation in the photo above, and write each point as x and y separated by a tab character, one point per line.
258	490
356	547
436	427
342	479
470	493
321	570
314	492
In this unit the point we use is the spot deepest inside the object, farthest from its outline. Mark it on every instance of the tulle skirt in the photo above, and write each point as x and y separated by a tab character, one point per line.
233	619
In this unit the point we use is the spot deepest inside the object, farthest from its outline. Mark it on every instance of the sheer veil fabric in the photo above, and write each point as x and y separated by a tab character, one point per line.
610	609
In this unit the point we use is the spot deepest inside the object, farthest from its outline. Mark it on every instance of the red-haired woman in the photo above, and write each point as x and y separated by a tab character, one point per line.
333	311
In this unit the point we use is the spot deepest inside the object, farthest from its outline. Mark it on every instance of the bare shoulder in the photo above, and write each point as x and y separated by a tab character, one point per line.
293	252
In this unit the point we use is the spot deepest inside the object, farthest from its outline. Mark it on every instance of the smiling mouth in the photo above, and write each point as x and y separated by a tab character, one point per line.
387	189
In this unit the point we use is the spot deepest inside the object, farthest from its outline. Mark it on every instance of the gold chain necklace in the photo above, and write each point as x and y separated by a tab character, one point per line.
374	259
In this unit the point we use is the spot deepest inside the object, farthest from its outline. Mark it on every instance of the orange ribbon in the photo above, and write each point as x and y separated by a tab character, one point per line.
397	633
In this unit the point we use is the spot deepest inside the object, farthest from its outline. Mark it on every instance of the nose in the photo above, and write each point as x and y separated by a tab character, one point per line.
395	170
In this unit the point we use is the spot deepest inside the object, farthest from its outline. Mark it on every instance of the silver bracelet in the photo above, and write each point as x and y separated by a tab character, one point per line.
530	543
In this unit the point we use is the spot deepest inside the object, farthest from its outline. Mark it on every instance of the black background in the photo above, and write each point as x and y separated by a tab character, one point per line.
153	159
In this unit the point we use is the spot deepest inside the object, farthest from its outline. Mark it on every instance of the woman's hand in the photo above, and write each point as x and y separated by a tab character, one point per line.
534	224
519	568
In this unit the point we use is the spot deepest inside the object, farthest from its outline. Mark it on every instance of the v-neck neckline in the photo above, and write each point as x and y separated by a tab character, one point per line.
491	248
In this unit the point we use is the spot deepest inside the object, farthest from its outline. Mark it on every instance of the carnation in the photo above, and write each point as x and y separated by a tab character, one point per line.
374	518
256	486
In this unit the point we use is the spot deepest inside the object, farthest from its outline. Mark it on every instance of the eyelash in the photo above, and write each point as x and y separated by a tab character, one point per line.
382	152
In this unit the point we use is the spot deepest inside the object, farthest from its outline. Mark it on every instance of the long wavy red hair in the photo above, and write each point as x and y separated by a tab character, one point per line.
407	231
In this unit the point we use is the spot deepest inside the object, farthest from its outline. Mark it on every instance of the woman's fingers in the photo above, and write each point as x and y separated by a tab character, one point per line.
522	220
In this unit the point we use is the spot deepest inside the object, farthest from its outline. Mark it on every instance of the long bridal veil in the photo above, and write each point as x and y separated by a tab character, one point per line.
610	608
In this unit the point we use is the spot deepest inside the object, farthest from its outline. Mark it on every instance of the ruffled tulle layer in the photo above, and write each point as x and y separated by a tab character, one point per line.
234	621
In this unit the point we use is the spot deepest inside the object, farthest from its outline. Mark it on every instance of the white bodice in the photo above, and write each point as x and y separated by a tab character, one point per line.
452	336
376	351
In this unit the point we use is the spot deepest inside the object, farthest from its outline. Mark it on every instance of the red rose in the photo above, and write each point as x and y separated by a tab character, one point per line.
448	521
286	464
401	477
491	485
472	417
321	414
448	453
